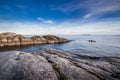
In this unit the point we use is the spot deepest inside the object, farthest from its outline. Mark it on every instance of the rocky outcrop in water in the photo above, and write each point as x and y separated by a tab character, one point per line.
13	39
51	64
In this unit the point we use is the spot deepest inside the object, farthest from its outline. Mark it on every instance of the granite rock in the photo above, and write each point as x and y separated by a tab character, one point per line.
52	64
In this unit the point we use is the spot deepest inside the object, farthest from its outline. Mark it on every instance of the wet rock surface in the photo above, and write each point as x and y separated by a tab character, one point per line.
13	39
52	64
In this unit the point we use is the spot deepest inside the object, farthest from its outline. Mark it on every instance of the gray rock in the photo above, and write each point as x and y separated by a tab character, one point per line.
25	66
52	64
76	67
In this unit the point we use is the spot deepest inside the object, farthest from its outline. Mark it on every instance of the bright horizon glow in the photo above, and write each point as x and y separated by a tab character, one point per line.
65	17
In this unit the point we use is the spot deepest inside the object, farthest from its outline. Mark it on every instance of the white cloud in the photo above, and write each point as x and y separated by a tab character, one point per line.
44	20
87	16
21	27
96	28
20	6
93	8
67	28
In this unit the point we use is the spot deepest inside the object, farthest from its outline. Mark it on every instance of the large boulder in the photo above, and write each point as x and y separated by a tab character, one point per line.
52	64
25	66
76	67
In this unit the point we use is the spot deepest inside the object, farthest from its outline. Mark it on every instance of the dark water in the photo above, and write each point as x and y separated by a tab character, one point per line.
104	46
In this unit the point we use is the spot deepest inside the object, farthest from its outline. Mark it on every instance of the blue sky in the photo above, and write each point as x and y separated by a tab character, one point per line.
60	17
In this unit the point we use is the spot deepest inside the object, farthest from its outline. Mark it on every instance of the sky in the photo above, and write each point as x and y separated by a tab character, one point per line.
60	17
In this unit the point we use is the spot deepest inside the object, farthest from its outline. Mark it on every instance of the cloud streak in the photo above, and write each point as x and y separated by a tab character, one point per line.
93	8
20	6
101	7
44	20
6	7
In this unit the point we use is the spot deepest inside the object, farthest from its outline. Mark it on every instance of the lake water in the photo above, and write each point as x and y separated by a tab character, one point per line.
104	46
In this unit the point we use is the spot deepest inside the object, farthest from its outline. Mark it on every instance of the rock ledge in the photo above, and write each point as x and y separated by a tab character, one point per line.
52	64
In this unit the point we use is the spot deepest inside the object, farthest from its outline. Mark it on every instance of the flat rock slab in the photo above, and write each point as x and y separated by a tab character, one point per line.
52	64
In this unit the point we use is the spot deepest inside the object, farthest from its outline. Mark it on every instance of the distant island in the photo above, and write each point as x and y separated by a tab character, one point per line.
13	39
85	34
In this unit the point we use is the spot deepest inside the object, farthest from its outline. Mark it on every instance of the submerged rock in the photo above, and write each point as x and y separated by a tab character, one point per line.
13	39
52	64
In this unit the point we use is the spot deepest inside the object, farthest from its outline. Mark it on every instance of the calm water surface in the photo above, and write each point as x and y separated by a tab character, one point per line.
104	46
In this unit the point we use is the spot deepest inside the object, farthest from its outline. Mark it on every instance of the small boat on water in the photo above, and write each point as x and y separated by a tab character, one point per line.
91	41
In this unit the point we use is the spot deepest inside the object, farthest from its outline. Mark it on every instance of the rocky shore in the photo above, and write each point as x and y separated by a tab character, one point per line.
13	39
52	64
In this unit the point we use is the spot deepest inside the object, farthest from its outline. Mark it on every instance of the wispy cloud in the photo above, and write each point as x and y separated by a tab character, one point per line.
20	6
6	7
93	8
66	28
44	20
11	8
26	28
67	7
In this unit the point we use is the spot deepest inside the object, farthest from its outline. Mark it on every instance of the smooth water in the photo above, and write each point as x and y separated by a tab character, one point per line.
104	46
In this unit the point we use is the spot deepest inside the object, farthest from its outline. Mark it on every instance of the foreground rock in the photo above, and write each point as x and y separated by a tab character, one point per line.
25	66
13	39
51	64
